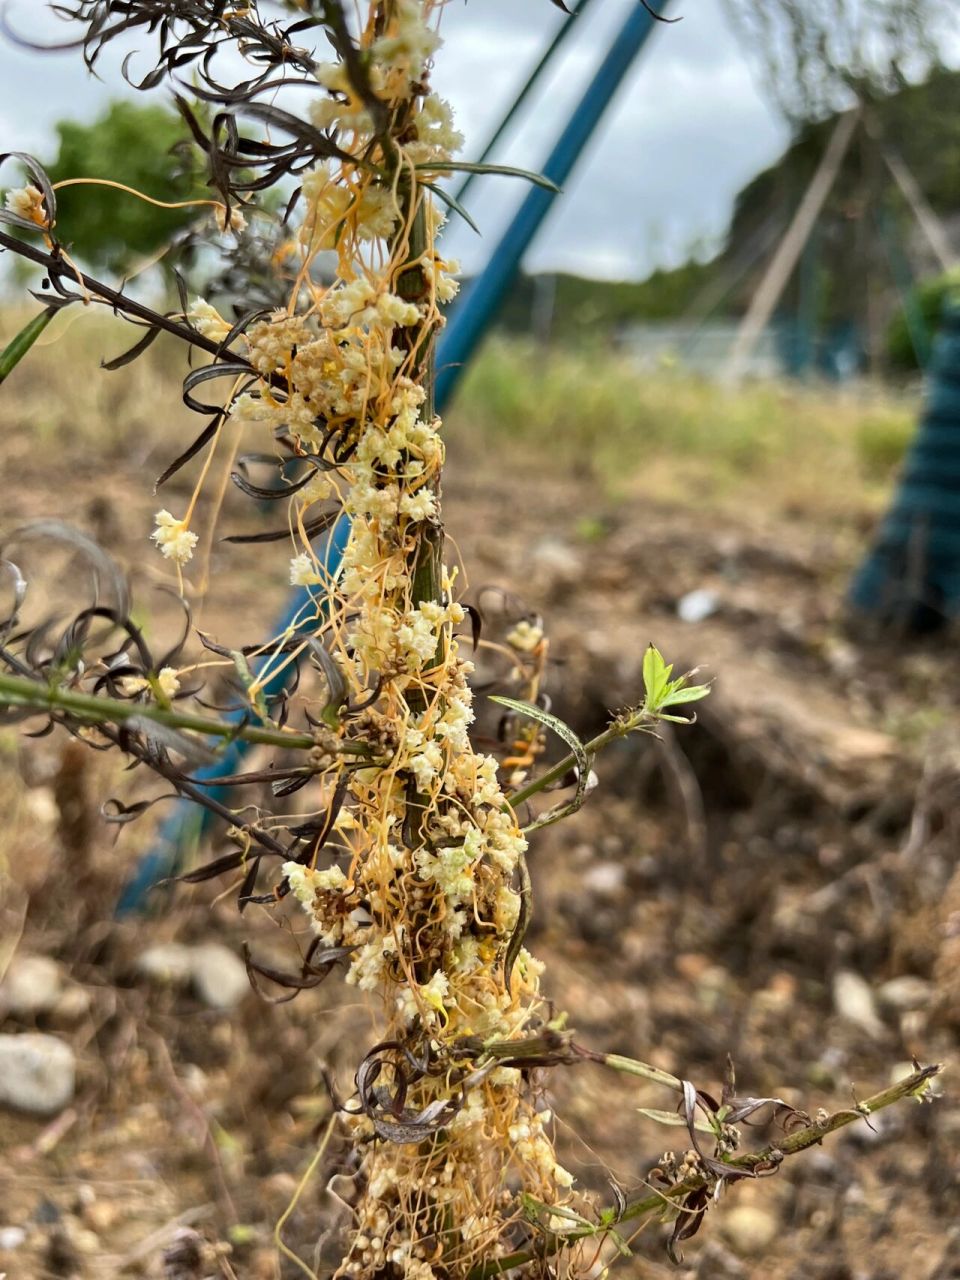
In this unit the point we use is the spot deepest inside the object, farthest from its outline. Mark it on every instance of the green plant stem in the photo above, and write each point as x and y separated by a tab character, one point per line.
771	1156
619	729
17	691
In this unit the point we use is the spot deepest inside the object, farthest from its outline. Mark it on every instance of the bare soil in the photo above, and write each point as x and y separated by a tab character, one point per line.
702	904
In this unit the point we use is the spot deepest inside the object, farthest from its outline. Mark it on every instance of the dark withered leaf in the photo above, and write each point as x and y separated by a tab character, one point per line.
316	967
137	349
38	176
105	569
335	682
161	739
117	812
476	623
688	1222
195	377
311	529
274	493
192	449
245	895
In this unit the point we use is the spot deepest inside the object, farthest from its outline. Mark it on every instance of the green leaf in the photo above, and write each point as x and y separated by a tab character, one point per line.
16	349
248	680
504	170
453	202
656	676
673	1119
692	693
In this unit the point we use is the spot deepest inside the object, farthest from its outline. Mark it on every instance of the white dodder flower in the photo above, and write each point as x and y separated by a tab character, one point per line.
208	320
302	571
173	538
27	202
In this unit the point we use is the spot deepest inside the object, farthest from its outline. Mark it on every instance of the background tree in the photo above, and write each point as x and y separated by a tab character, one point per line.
818	56
143	147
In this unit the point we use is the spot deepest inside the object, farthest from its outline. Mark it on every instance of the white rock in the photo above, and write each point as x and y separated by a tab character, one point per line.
697	605
605	878
906	993
853	999
11	1238
31	985
169	963
557	559
749	1228
219	977
37	1073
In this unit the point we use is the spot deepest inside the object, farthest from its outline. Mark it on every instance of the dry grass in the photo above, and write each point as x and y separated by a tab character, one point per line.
786	448
818	451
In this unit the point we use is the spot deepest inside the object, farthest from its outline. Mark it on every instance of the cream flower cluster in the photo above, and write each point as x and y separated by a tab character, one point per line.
175	540
27	202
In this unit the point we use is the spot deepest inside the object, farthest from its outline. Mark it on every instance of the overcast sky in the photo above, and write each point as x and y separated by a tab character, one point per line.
687	129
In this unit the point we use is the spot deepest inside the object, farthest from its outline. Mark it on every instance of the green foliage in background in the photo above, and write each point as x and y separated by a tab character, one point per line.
582	307
927	301
134	145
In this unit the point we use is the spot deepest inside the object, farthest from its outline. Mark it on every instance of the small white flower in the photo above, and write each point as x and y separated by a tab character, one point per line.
525	636
420	505
303	572
168	681
173	538
235	222
208	320
393	310
27	202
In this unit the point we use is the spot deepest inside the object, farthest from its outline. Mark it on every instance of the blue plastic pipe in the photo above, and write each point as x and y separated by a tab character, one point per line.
483	297
464	331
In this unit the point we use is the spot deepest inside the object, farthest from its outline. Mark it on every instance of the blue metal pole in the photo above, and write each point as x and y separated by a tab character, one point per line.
566	28
186	820
457	343
483	296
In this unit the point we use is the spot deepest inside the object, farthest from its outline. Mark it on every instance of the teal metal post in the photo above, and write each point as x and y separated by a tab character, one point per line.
910	580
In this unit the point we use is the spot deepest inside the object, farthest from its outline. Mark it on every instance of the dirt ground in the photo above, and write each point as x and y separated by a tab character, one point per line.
753	886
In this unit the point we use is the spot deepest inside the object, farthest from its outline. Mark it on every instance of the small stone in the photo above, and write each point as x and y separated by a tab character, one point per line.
605	878
37	1073
11	1238
219	977
557	560
168	963
906	993
854	1001
697	606
31	985
750	1229
100	1216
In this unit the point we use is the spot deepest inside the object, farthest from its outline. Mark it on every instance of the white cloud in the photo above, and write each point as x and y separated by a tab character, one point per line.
684	133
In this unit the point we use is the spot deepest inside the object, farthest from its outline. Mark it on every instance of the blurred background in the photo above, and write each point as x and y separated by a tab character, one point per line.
711	400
